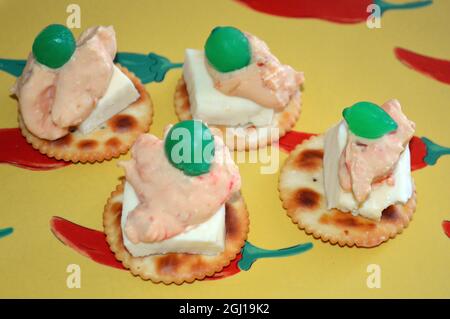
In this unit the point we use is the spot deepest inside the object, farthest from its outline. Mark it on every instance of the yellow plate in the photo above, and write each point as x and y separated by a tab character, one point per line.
342	64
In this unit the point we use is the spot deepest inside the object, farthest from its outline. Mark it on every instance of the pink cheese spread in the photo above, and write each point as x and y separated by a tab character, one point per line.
35	89
365	162
170	201
51	101
265	80
85	78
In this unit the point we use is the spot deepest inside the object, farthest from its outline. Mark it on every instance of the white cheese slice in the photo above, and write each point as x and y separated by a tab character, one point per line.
382	195
212	106
120	93
206	239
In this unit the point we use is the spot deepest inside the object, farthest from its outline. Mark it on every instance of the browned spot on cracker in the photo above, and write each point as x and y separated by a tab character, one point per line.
307	198
86	145
231	223
309	159
116	208
113	142
63	141
347	220
199	266
169	264
122	123
390	214
353	222
183	89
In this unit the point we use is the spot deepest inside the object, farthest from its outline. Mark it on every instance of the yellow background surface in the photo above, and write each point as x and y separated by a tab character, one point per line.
342	64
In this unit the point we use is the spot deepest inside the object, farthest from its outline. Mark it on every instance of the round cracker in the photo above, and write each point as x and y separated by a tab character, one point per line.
302	193
175	267
111	139
244	138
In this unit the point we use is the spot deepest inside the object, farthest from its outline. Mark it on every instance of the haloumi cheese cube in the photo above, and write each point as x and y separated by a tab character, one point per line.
207	238
212	106
382	194
120	94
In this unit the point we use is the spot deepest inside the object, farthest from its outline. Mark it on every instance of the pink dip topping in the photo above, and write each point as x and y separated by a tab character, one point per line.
365	162
52	100
170	201
265	80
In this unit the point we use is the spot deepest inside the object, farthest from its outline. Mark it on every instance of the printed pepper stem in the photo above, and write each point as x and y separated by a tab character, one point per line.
385	6
251	253
147	67
6	232
13	67
434	151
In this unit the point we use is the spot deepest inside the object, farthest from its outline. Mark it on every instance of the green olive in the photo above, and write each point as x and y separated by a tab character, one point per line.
227	49
54	46
189	146
368	120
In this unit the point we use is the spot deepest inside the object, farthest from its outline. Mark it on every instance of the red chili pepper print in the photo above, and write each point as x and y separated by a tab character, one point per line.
16	151
418	150
88	242
437	69
446	227
338	11
92	244
230	270
291	139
